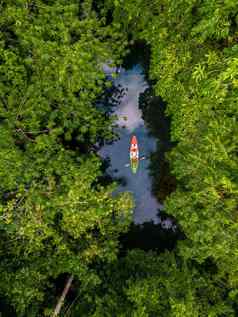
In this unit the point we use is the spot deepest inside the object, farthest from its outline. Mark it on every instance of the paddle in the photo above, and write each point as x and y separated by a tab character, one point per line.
142	158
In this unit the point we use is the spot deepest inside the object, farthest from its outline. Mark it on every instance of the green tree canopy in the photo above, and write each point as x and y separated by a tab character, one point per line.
56	218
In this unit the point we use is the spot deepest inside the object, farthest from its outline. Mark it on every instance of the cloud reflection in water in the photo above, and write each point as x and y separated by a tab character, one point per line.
130	123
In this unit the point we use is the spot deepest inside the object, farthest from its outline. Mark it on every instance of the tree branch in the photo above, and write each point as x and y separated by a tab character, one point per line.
62	297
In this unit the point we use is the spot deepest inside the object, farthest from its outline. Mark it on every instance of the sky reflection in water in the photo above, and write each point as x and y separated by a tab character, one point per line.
130	123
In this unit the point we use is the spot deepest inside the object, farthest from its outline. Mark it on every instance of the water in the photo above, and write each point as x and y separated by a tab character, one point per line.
130	123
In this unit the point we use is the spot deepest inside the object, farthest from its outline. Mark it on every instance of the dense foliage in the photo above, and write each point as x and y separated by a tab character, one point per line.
56	217
145	284
194	55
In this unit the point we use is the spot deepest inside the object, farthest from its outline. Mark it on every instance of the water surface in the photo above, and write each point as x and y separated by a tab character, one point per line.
130	123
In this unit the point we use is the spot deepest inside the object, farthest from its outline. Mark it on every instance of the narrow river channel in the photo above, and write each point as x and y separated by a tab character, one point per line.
130	122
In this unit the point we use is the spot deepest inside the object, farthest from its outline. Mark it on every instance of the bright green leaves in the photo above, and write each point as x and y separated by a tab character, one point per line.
54	216
199	73
204	122
55	68
194	67
214	23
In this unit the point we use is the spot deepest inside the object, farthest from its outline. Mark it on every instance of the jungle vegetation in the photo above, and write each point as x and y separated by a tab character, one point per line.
57	216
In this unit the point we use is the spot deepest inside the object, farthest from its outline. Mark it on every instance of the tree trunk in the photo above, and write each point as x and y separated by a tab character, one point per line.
62	297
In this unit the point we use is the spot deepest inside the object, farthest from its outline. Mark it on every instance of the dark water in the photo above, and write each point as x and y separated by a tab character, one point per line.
130	122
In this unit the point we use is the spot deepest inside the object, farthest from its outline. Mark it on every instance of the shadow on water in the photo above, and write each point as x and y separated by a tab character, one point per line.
153	110
139	54
149	236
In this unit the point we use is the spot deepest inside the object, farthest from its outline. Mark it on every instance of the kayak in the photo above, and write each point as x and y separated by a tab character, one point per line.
134	154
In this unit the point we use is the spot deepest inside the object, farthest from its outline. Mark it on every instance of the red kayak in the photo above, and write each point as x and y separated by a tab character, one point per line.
134	154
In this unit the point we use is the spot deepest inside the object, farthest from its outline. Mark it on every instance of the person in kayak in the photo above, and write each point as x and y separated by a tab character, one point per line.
134	154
